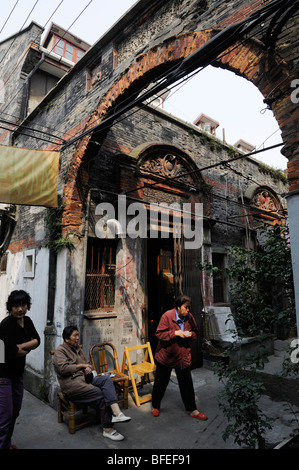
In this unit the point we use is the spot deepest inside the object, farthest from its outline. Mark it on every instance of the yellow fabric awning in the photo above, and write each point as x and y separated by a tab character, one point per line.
29	176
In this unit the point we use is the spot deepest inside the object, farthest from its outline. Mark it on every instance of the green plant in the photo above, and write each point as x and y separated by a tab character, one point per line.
239	400
262	296
262	284
56	240
277	175
48	106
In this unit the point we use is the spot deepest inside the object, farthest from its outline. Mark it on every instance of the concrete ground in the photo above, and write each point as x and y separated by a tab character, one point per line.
173	431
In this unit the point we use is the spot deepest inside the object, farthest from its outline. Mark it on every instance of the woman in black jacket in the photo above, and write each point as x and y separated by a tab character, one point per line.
19	336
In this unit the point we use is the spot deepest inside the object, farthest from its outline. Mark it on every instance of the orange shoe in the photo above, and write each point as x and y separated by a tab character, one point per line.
155	412
200	416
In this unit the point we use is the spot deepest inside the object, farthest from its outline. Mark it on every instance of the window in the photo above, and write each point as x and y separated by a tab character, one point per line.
29	263
59	48
67	50
219	287
100	274
80	54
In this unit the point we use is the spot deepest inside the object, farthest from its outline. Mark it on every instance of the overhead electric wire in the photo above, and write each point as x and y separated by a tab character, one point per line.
28	135
186	66
198	170
142	96
54	43
33	41
179	83
198	59
10	123
9	16
19	31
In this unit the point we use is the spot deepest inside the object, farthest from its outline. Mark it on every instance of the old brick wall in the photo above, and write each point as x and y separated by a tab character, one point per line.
13	72
157	36
149	41
152	126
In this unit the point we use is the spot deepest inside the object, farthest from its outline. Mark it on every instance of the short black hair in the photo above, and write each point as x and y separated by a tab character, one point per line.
68	330
182	299
17	297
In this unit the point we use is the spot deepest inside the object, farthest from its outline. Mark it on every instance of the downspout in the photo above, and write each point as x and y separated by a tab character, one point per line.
50	330
83	273
51	286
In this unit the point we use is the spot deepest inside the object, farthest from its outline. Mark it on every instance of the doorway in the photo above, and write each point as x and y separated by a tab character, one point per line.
161	286
172	271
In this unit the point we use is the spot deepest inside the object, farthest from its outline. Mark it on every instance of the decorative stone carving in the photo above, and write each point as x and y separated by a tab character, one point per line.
266	201
168	166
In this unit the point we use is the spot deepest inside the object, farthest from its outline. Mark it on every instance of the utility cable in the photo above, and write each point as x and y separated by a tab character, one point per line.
54	44
10	123
154	89
9	16
19	31
180	83
200	58
208	167
177	72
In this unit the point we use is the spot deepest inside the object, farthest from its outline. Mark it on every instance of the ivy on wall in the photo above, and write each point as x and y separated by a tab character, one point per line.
56	240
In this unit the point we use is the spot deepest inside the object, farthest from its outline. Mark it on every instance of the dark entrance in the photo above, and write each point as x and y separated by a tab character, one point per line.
161	288
172	271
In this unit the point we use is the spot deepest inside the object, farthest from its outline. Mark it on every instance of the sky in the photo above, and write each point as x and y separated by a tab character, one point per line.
232	101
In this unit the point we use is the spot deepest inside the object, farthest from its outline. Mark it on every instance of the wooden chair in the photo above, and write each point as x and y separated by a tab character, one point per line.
67	409
143	369
106	353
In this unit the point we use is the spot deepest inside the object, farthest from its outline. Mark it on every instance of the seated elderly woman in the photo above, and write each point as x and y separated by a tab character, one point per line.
73	369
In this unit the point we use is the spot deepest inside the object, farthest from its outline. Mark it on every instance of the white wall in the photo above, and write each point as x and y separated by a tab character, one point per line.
35	282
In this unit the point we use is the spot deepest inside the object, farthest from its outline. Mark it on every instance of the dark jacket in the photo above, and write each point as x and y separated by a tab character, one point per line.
173	351
11	333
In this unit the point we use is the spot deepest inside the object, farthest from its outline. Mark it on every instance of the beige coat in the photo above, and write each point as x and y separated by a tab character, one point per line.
71	381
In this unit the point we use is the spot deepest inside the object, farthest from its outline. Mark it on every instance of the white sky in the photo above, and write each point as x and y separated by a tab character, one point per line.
232	101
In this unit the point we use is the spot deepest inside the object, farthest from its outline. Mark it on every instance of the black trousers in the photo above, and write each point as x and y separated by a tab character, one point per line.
185	385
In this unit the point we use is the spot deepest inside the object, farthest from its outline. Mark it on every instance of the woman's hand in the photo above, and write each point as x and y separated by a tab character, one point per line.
181	333
85	367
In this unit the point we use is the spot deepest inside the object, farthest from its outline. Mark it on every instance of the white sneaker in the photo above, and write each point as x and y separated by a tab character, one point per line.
114	435
121	418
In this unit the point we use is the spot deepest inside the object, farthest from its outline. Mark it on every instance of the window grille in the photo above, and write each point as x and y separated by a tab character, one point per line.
100	274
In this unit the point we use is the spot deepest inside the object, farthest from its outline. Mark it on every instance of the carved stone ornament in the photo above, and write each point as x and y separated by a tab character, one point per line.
168	166
264	200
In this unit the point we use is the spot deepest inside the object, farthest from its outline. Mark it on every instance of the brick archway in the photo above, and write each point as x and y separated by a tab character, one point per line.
249	60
